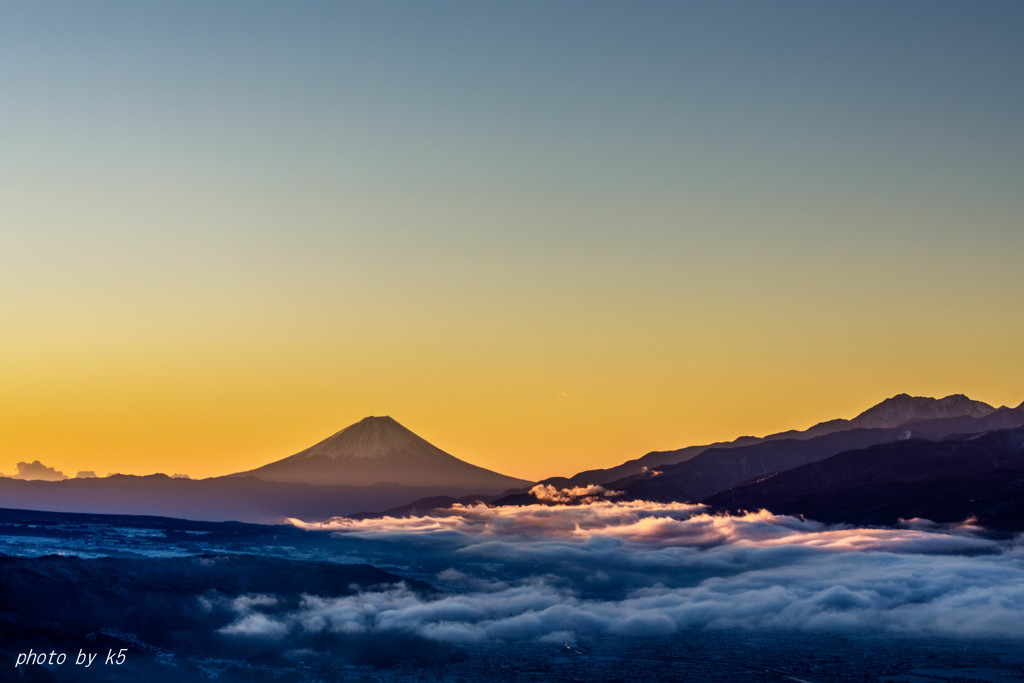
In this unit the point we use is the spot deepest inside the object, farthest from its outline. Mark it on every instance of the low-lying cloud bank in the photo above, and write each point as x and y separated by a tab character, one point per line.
656	525
634	568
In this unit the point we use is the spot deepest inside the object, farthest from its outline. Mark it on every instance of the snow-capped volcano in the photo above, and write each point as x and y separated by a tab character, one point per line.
378	450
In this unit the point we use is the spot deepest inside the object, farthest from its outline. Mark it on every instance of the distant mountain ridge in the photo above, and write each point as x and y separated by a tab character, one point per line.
220	499
903	408
378	450
890	413
377	465
372	465
716	470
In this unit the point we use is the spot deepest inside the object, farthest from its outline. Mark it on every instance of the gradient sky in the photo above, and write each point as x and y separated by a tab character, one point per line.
544	236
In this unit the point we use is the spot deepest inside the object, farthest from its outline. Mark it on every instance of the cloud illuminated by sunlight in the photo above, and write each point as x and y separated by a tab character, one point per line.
647	569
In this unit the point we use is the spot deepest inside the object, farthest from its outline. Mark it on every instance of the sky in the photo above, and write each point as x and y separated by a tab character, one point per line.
544	236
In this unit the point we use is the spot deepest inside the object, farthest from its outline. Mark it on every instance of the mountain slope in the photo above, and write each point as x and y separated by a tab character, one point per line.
373	465
902	408
719	469
245	499
378	450
890	413
979	476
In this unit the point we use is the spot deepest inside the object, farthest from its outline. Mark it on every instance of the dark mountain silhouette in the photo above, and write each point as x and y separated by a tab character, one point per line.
378	450
719	469
903	408
1003	418
650	461
949	480
890	413
244	499
371	466
377	465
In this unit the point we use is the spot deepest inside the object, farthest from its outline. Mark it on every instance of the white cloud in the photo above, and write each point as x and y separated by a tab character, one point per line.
577	494
644	569
258	625
37	470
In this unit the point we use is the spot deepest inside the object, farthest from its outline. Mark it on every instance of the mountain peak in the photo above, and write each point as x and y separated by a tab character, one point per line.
378	449
372	437
902	408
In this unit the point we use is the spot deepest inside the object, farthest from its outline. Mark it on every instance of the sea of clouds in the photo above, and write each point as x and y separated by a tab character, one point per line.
561	572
